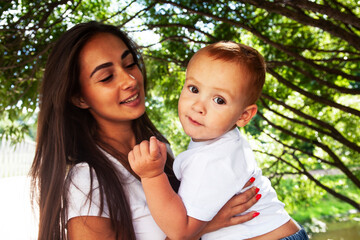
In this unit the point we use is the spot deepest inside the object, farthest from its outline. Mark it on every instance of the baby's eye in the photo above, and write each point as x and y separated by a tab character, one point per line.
219	100
193	89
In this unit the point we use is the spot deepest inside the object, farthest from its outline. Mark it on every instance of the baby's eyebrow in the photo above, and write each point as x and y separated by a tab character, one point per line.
223	90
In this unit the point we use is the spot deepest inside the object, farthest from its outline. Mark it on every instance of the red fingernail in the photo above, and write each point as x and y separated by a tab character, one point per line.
257	190
258	196
256	214
252	179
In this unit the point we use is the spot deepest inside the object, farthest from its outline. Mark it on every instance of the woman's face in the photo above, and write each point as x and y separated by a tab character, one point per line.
112	85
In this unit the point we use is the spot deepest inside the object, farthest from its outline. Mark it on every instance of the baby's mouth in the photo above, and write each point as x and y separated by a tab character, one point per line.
194	122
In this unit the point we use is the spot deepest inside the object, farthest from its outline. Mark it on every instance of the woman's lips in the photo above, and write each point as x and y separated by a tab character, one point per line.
130	99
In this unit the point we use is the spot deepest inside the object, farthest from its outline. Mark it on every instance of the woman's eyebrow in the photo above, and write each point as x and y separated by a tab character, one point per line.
109	64
101	66
127	52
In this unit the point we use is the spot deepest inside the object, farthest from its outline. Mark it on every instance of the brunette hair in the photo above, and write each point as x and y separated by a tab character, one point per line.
248	58
68	135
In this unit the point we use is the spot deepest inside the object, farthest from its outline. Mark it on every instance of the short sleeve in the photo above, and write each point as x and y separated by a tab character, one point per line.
169	150
79	203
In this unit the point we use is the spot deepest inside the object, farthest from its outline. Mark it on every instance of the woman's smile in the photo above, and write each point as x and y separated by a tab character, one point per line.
131	99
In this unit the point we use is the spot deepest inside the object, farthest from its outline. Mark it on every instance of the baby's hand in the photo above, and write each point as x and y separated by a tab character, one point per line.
148	158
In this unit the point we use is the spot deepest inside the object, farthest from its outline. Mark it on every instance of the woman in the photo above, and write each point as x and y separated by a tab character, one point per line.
92	113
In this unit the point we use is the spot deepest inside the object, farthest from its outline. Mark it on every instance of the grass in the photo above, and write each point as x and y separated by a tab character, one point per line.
316	209
328	208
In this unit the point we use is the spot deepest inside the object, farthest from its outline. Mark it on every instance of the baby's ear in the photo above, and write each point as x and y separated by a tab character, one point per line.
248	113
79	102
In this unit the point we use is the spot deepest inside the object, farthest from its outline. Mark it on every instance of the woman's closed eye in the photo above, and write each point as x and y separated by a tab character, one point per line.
193	89
131	65
107	78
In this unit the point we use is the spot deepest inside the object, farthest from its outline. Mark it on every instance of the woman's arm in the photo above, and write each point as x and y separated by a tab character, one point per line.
90	228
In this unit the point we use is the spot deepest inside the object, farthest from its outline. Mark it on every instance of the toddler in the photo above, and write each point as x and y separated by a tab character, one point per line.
223	82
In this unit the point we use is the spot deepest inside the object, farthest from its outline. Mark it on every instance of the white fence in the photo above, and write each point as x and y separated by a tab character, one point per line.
15	160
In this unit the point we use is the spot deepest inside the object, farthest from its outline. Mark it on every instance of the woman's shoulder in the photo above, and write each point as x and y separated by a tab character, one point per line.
80	167
80	176
79	170
83	193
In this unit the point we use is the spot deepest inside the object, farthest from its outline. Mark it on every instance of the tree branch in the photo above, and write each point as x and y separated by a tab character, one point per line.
169	59
297	149
334	131
303	171
307	74
328	26
183	26
337	136
337	160
137	14
174	38
313	96
350	19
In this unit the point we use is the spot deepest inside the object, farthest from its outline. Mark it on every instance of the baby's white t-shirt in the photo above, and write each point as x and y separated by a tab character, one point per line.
211	172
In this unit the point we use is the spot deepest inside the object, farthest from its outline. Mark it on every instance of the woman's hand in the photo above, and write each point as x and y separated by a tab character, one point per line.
238	204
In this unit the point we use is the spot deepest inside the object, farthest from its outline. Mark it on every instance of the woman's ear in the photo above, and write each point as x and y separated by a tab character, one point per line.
79	102
247	115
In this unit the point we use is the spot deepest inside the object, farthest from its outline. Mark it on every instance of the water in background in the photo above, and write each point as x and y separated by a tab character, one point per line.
349	230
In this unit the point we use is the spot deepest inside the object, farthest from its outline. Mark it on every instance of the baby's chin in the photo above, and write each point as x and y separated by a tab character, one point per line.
202	138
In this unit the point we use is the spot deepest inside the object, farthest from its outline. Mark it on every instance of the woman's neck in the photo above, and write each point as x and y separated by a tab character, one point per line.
119	136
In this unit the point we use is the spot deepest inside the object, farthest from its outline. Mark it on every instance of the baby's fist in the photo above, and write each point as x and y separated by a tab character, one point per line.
148	158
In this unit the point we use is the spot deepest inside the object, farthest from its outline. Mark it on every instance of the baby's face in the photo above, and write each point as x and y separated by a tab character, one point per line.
213	97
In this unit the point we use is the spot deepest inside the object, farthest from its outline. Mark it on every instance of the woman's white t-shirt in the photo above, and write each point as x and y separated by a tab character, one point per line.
79	204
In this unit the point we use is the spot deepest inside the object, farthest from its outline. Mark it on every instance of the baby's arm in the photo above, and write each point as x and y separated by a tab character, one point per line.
148	160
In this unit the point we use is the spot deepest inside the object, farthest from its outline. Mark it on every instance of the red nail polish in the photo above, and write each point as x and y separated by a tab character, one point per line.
252	179
257	190
258	196
256	214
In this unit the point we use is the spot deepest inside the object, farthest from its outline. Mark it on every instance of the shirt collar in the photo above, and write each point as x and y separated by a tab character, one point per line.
232	134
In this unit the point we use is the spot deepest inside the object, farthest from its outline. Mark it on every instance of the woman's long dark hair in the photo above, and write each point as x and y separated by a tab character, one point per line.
68	135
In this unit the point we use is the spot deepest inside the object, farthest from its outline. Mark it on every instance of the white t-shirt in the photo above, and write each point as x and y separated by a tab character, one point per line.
211	172
79	205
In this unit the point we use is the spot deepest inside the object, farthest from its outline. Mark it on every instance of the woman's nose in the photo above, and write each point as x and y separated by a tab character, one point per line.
128	81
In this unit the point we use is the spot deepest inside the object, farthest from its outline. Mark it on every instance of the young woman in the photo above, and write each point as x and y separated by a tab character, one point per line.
92	113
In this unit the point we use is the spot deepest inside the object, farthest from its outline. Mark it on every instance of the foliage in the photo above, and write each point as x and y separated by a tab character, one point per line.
314	202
